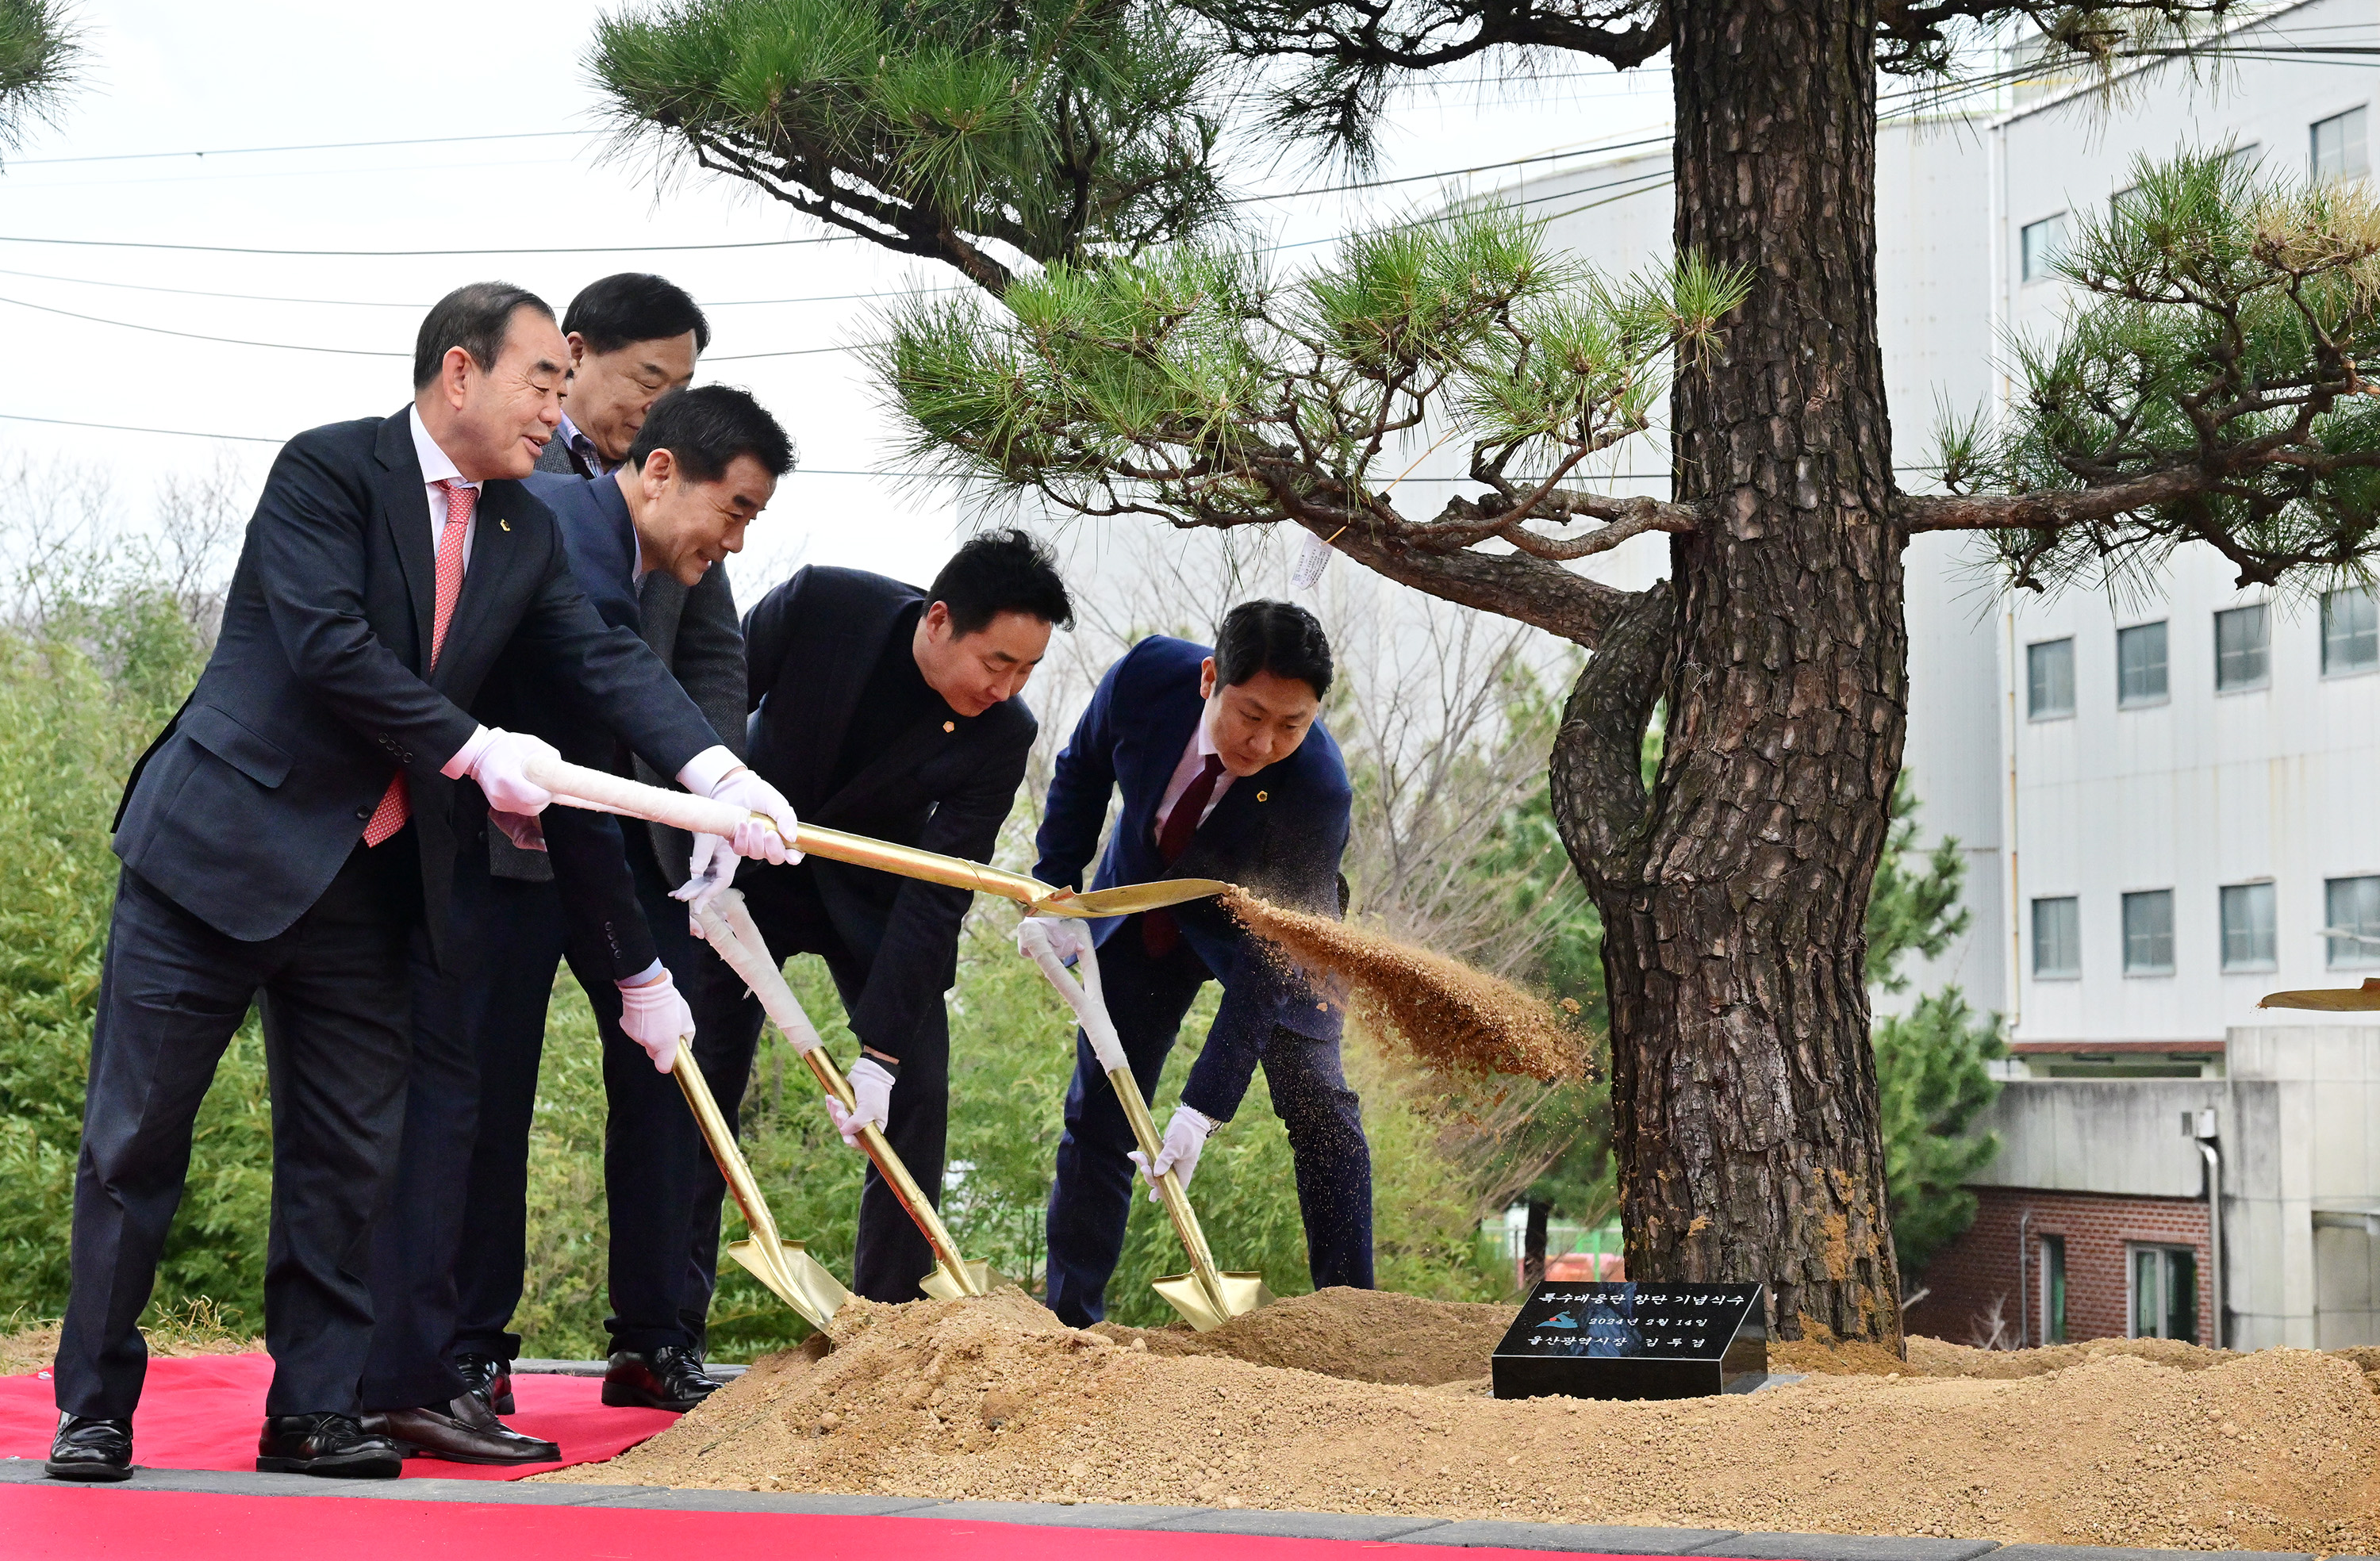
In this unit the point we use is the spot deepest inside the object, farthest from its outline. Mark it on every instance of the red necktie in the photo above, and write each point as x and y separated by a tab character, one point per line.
1159	933
397	803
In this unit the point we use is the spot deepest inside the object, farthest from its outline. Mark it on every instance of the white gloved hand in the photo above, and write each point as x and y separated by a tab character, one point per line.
871	1087
521	828
712	865
500	767
654	1014
1186	1137
1070	938
745	790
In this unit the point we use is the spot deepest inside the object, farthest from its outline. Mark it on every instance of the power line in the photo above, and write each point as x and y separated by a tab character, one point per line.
318	146
127	428
384	302
410	254
195	336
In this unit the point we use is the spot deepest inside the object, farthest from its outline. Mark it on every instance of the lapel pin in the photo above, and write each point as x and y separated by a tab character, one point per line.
1262	795
950	726
506	524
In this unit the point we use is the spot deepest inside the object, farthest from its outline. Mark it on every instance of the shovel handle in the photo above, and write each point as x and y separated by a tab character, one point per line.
733	1167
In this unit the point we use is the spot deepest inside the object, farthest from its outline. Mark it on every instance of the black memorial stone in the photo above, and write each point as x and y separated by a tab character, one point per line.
1632	1341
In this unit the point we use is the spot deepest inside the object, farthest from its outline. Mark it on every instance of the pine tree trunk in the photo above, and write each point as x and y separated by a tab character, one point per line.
1734	897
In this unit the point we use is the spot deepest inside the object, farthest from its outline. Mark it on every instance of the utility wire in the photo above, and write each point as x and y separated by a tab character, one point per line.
408	254
318	146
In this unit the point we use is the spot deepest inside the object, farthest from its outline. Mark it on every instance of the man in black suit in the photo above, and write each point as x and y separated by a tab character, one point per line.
289	836
447	1272
890	713
632	338
1222	768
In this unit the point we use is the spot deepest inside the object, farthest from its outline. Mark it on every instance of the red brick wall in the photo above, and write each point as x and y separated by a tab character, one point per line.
1980	1268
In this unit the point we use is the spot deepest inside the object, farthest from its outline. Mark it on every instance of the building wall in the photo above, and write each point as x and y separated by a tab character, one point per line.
1976	1275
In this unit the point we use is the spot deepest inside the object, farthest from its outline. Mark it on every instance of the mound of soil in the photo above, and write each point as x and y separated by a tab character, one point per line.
1451	1018
1360	1336
997	1399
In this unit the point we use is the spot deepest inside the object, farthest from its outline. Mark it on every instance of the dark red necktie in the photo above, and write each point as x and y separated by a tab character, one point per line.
1160	933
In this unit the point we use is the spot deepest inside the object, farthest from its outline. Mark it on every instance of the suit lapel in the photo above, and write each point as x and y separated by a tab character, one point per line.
405	509
839	696
660	603
1234	818
906	755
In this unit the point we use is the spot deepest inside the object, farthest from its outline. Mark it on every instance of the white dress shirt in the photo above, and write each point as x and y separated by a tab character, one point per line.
436	468
1194	760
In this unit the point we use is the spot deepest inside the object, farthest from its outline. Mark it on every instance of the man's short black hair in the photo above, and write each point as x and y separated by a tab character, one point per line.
634	305
1279	638
997	572
477	317
708	426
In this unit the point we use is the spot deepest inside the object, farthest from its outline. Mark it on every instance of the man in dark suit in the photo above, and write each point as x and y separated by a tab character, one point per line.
448	1269
892	712
632	338
289	835
1226	772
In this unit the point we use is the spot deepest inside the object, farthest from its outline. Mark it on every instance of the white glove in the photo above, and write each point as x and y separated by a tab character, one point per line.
521	828
1185	1137
1070	938
871	1087
753	837
500	769
713	868
654	1015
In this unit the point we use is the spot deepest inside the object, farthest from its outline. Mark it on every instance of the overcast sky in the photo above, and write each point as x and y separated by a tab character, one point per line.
176	77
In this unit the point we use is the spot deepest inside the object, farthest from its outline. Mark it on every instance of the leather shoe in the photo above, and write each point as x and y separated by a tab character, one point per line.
464	1431
668	1378
330	1444
89	1449
489	1377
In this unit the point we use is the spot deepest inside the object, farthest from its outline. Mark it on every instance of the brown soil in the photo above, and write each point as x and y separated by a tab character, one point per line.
1362	1336
198	1330
2115	1443
1452	1017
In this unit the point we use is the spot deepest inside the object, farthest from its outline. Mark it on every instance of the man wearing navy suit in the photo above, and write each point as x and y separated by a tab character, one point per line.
1226	772
289	836
447	1271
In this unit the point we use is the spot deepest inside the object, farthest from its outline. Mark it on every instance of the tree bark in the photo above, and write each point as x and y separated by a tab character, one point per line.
1734	896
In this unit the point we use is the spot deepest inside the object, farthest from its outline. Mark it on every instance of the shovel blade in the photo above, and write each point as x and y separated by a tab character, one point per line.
1242	1293
2329	1000
1129	899
794	1277
943	1284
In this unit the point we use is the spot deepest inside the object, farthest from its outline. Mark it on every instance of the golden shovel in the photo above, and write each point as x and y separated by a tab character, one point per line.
1206	1297
794	1277
727	926
2329	1000
579	787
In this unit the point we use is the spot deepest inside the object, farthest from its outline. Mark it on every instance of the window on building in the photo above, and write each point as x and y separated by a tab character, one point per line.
2053	1289
2248	938
2242	649
2338	147
2165	1293
2350	630
2124	200
2140	665
2148	933
2057	937
2049	677
2350	909
2044	243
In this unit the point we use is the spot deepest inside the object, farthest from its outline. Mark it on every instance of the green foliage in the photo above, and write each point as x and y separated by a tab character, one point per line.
1912	909
1064	130
40	52
2207	381
1931	1084
1191	385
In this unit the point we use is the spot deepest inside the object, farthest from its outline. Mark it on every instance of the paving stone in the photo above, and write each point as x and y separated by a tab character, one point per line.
1296	1525
663	1498
1845	1547
2112	1552
1598	1538
537	1366
1060	1515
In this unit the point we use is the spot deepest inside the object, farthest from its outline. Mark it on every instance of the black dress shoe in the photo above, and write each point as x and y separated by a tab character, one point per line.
334	1445
489	1377
668	1378
88	1448
465	1430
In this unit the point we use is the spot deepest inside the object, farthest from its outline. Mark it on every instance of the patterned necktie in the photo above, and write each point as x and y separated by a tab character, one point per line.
1159	933
397	803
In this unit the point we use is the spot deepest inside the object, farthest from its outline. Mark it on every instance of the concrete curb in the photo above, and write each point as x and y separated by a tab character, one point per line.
1557	1538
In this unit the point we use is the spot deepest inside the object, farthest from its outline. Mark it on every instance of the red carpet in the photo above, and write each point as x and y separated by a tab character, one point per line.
203	1412
54	1524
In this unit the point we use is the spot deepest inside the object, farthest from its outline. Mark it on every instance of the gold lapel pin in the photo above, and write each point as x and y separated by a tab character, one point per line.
1262	795
950	726
506	524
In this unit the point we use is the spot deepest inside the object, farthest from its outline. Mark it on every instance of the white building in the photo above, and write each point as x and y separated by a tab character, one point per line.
2165	796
